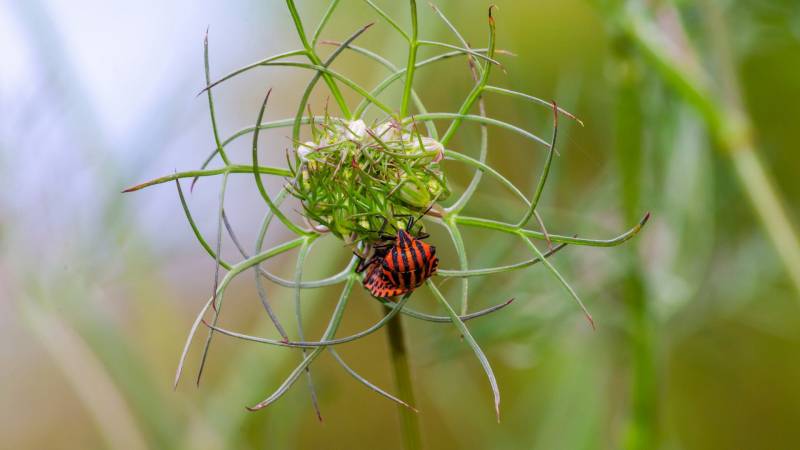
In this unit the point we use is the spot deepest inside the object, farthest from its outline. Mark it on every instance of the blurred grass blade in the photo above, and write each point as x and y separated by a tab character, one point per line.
87	376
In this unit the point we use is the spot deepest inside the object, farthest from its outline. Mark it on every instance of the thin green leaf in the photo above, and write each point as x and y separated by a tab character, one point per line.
537	195
413	47
455	156
324	21
477	76
197	234
262	295
388	19
442	319
383	85
321	343
260	184
513	229
461	252
209	173
560	278
311	54
366	382
232	273
313	82
472	343
211	112
245	131
217	308
462	50
244	69
499	269
499	90
480	119
329	281
333	326
476	91
431	127
298	311
347	81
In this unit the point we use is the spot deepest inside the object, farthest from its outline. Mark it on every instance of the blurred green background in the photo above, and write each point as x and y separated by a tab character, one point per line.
690	112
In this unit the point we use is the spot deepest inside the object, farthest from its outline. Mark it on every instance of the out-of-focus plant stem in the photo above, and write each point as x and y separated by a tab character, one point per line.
409	420
722	111
641	424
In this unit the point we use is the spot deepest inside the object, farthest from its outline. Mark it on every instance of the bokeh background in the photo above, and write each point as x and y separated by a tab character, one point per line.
690	112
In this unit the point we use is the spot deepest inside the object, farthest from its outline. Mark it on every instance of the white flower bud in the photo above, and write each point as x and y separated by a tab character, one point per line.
387	131
356	130
303	150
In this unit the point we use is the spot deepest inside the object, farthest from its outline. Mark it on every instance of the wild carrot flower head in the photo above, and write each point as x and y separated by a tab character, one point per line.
352	176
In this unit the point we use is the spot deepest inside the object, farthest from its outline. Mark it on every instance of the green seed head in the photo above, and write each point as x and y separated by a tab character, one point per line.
354	177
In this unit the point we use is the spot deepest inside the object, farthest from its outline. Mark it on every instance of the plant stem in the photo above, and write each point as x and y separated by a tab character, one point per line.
409	421
727	121
413	46
641	421
312	56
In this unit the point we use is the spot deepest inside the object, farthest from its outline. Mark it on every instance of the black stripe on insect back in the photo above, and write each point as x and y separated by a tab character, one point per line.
404	255
420	248
402	274
396	265
416	249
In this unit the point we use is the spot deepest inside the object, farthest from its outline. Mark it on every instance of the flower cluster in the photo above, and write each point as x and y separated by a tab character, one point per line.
352	178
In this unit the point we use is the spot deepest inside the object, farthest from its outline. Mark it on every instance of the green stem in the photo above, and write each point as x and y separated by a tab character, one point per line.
476	92
312	56
726	120
513	229
409	420
233	168
413	46
641	426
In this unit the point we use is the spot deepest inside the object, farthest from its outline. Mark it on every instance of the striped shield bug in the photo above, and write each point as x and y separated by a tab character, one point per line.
399	263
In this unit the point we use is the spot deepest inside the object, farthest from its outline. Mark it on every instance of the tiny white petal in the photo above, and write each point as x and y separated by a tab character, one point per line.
305	149
357	129
431	144
387	131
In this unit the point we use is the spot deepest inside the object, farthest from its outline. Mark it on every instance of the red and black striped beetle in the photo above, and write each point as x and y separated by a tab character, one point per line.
399	264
